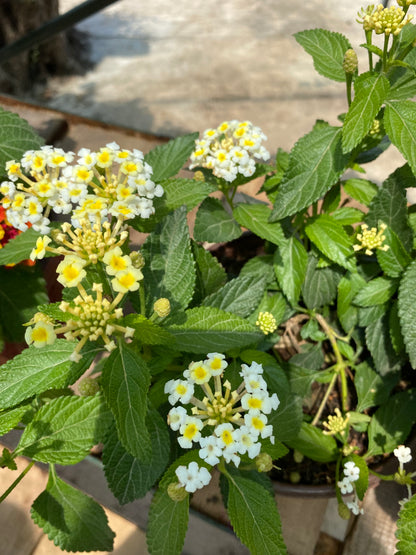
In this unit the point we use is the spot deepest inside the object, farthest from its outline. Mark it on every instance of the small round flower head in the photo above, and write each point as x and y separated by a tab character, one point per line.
266	322
162	307
193	477
350	62
41	334
371	239
264	462
403	454
336	424
389	21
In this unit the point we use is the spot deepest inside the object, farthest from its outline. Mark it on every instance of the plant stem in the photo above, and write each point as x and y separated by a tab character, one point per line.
348	82
385	52
325	399
368	39
142	300
16	482
387	477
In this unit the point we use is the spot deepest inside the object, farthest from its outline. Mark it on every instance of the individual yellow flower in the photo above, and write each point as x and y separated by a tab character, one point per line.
127	280
115	261
41	334
40	249
71	271
371	239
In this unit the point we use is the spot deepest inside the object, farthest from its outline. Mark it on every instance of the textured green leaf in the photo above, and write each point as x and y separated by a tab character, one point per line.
406	528
16	136
19	248
347	215
239	296
22	290
320	285
71	519
371	90
125	381
348	287
390	205
167	526
34	371
146	331
327	50
372	389
10	418
313	443
290	263
254	516
360	189
395	328
255	217
169	270
392	423
64	430
188	192
407	311
394	260
315	165
377	336
127	477
260	266
377	291
331	239
400	124
214	224
209	329
210	275
167	159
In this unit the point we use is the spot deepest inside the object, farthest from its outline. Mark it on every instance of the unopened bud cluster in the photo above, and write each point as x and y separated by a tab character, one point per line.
350	62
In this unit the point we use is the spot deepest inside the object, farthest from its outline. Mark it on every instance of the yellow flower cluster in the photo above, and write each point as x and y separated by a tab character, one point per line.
336	423
388	21
371	239
266	322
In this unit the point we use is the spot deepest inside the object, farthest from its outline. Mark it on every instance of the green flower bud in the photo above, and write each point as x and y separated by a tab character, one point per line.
199	176
177	492
88	387
297	456
137	260
350	63
162	307
264	462
344	511
294	477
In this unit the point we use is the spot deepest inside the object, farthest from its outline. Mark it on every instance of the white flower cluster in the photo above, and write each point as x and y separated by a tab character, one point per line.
224	423
109	182
403	454
193	477
230	149
347	485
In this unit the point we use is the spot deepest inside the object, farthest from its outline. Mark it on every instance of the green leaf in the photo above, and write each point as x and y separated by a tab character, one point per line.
260	266
167	525
316	162
239	296
71	519
10	418
407	311
320	285
125	381
127	477
400	123
331	239
22	290
377	291
371	90
347	215
406	528
377	336
214	224
188	192
372	389
210	275
361	485
348	287
209	329
170	269
327	50
392	423
146	331
254	516
167	159
395	259
255	217
64	430
290	264
390	205
360	189
313	443
19	248
16	136
36	370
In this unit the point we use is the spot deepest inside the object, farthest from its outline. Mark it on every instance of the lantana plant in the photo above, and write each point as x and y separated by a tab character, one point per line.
299	355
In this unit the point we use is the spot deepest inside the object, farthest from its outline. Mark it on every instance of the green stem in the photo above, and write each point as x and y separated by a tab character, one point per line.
385	52
16	482
368	40
325	399
142	300
387	477
348	81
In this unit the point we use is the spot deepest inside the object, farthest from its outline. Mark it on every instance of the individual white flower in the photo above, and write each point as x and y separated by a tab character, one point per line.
179	390
403	454
351	471
190	430
254	382
198	372
345	486
176	417
41	334
193	477
210	451
257	423
216	363
247	442
253	369
355	508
